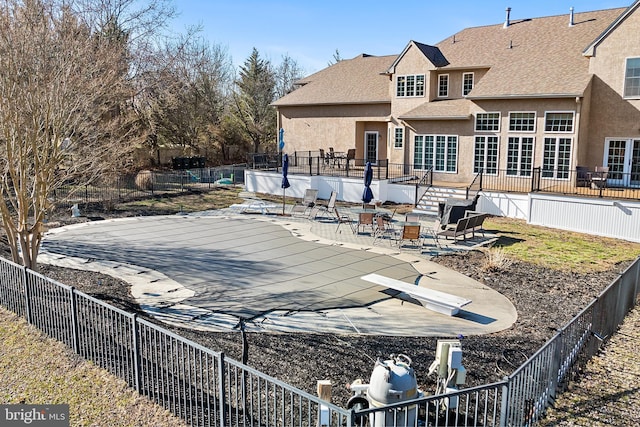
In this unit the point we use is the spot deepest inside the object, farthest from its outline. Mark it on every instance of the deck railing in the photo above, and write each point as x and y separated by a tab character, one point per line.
558	181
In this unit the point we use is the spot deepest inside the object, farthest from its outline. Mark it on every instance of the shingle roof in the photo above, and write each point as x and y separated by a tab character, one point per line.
529	58
350	81
449	109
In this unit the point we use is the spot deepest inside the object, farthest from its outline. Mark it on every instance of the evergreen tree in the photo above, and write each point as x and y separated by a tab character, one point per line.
252	103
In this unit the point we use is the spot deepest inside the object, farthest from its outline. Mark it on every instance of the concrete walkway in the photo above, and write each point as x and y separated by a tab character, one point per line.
208	270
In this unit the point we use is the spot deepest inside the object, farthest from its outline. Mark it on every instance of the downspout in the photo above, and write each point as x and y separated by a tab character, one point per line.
574	148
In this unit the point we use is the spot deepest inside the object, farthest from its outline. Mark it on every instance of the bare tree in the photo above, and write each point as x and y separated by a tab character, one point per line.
287	73
336	58
64	112
187	94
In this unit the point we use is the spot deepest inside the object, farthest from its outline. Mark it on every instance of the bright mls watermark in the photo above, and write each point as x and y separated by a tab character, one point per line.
34	415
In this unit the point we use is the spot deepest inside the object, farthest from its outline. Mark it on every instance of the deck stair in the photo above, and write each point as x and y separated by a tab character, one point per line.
428	204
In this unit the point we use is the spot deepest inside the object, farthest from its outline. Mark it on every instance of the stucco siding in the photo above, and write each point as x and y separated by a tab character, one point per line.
413	62
612	116
311	128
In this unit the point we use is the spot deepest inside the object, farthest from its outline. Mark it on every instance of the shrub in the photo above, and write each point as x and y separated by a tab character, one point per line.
496	260
144	180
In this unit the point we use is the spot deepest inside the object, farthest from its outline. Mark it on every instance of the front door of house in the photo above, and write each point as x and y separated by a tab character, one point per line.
622	156
371	147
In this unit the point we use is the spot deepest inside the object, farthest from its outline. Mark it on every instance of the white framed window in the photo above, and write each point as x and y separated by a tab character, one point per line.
410	86
485	155
467	83
559	121
520	155
632	78
398	139
401	84
524	121
443	85
556	158
488	122
437	151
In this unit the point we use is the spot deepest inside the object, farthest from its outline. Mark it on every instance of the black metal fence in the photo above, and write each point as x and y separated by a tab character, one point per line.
147	184
205	388
195	383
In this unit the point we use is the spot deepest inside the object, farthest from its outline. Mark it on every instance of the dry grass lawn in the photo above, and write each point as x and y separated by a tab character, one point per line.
35	369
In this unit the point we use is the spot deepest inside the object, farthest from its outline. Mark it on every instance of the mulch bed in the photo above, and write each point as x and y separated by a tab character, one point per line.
545	300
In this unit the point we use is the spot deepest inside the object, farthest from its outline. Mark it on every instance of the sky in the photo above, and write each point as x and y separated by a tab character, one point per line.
310	31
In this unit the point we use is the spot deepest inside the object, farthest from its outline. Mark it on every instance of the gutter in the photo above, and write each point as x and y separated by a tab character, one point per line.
465	117
535	96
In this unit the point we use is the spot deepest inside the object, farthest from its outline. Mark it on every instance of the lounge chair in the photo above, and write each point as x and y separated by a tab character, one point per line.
307	203
328	209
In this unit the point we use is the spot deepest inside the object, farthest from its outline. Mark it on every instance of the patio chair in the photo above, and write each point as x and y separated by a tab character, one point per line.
307	203
324	158
599	177
411	233
583	177
351	155
331	158
328	209
433	231
365	219
383	228
344	219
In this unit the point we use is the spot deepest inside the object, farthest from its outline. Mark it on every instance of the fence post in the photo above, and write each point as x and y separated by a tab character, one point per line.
535	179
221	391
555	366
136	352
504	405
74	321
27	294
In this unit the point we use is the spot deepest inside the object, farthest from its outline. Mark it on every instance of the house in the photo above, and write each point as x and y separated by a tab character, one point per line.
553	93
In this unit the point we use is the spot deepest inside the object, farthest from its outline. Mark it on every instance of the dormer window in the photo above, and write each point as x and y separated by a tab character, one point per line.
632	78
410	86
467	83
443	85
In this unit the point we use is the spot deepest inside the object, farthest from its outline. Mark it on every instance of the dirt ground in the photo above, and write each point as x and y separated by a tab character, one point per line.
545	299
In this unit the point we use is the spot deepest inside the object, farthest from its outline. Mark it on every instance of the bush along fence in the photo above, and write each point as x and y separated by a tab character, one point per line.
147	184
205	388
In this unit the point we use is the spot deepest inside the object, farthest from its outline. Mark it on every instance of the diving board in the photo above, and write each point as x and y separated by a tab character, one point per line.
440	302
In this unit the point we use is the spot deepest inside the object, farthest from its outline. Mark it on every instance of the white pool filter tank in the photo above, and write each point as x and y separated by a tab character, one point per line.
393	381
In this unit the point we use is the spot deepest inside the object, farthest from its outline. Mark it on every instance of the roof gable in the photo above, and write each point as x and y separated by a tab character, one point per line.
591	49
432	53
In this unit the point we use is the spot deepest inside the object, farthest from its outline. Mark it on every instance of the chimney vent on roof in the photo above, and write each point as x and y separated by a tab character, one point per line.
571	17
506	21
